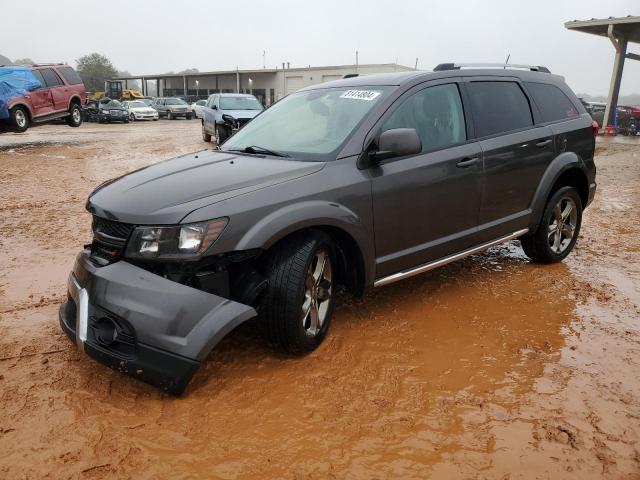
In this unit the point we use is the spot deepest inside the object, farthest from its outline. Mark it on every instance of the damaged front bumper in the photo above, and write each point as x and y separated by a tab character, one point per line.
144	325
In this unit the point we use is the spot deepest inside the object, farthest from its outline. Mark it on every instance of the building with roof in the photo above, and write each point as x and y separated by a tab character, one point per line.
268	85
620	31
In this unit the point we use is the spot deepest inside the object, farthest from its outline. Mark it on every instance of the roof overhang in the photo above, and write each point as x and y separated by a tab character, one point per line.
627	27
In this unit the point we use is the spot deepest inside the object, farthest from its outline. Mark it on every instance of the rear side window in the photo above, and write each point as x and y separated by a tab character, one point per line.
499	107
70	75
554	105
436	114
51	78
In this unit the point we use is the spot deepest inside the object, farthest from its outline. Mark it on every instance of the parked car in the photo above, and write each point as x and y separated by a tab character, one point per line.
36	94
172	108
197	107
226	113
138	110
105	111
358	182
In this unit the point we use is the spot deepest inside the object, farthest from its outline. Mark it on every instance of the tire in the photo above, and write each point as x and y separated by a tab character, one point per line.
205	136
75	116
221	134
169	116
559	228
19	118
132	117
298	287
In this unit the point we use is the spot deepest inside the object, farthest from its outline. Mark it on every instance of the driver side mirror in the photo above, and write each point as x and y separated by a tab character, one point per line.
397	142
214	107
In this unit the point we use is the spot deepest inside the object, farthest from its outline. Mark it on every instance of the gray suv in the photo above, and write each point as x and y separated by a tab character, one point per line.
226	113
172	108
359	182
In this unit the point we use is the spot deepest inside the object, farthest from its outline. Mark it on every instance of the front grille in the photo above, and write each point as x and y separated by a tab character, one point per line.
109	240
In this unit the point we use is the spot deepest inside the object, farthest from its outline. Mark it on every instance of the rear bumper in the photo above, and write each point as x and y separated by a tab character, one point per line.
143	325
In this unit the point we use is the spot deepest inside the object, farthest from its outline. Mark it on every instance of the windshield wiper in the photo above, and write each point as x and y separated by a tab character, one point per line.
256	149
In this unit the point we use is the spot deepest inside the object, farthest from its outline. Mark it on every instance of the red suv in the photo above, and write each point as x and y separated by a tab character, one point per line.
61	95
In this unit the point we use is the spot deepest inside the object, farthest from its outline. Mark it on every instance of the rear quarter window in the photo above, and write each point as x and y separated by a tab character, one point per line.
498	107
70	75
553	104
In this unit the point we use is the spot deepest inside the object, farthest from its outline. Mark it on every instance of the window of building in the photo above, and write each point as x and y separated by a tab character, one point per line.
437	115
499	107
553	104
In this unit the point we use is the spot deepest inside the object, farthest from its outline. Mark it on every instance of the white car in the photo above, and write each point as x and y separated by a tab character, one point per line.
138	110
196	108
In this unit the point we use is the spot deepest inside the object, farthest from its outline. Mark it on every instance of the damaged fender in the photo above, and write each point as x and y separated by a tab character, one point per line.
143	324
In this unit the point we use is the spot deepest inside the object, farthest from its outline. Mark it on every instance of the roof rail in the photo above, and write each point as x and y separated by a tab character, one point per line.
45	64
458	66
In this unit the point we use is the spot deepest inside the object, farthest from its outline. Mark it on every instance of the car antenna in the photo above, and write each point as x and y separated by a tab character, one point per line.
506	62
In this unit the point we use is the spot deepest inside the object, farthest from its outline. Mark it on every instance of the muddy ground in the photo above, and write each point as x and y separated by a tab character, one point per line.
491	367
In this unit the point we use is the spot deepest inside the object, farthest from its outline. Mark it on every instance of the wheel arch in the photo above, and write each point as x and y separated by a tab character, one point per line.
567	169
25	106
75	99
339	223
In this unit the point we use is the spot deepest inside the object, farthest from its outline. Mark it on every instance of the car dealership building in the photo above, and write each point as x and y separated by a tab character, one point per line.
268	85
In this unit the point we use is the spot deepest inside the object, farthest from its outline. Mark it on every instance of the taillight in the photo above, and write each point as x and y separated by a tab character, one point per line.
595	128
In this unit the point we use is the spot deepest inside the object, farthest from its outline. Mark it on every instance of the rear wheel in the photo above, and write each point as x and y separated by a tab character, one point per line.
19	119
296	310
75	116
169	115
558	231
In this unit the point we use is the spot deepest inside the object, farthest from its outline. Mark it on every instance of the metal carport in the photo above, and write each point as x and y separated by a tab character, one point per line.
621	31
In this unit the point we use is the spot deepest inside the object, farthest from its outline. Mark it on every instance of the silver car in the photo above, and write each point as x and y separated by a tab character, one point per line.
172	108
226	113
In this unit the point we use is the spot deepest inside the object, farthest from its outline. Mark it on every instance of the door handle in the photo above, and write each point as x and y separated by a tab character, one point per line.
543	143
467	162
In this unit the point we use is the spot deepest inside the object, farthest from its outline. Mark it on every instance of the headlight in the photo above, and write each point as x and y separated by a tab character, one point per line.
181	242
228	119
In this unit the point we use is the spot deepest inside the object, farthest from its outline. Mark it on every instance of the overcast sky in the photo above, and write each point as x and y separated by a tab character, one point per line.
158	36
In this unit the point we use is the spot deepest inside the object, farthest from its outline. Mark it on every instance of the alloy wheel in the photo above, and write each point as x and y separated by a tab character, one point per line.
562	225
75	115
21	119
318	293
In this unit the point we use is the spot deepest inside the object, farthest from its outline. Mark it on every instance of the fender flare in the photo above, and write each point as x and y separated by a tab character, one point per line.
309	214
562	163
22	104
71	100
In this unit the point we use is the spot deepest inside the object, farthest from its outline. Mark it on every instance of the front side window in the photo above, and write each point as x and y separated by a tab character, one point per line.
240	103
309	125
436	114
499	107
40	78
553	104
51	78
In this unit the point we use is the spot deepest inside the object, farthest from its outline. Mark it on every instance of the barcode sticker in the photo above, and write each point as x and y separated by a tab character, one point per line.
366	95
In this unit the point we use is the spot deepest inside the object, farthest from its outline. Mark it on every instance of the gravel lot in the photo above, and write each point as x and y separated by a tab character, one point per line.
491	367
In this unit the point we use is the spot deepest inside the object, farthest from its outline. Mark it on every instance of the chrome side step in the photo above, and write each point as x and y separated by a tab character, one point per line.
443	261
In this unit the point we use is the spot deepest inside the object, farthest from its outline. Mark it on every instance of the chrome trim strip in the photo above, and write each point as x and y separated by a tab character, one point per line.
81	298
443	261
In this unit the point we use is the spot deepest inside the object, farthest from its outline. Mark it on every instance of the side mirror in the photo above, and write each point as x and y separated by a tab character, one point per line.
397	142
214	107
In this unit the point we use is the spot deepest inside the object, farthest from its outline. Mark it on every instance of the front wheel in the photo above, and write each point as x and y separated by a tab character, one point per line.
132	117
558	231
296	310
19	119
169	116
75	116
220	134
205	136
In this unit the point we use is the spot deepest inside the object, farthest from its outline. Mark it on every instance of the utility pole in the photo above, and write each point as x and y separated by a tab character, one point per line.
356	60
416	67
264	59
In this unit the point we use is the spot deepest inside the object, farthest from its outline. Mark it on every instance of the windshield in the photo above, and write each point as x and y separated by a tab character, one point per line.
240	103
175	101
309	125
137	105
201	102
110	104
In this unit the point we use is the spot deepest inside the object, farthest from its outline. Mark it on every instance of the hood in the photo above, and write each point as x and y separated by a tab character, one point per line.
142	109
241	113
164	193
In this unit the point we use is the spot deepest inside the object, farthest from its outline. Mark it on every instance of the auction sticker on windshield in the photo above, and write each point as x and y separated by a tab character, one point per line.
366	95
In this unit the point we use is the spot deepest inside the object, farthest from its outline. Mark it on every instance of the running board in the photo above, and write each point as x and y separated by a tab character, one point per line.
443	261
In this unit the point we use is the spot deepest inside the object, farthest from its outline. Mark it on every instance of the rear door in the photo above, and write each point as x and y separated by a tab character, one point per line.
426	206
208	114
515	153
59	91
41	99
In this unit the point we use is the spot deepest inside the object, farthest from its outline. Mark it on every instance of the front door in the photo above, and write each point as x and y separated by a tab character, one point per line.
426	206
59	91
